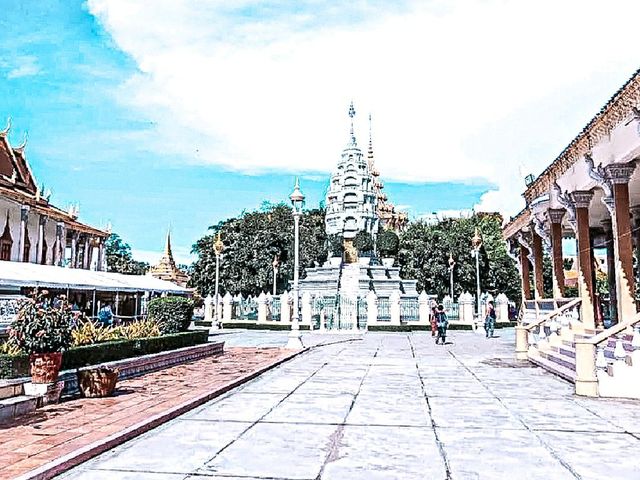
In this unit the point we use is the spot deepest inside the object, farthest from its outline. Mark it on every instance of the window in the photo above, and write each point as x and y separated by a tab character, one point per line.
6	242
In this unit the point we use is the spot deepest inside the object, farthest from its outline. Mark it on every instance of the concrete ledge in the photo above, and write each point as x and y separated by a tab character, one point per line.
75	458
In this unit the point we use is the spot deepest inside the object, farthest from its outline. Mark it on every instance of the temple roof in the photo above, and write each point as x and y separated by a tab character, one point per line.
166	268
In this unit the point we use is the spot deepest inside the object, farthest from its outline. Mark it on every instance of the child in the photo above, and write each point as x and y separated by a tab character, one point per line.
442	323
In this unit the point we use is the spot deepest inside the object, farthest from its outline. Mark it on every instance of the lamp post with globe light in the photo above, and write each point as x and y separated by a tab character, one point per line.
297	203
218	247
452	263
275	264
476	243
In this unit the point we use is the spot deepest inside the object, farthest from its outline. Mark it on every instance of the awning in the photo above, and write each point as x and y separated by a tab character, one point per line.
18	274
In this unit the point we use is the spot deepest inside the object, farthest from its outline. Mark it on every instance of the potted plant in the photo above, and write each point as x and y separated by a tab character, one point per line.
388	244
336	249
43	330
98	382
363	242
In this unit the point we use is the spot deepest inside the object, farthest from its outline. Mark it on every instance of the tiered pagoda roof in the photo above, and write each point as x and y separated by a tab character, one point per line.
166	269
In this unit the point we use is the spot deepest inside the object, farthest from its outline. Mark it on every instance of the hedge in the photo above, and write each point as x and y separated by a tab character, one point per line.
18	365
173	314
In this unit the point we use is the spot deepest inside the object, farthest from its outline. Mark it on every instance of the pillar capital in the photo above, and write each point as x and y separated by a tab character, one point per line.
582	198
556	214
618	173
43	220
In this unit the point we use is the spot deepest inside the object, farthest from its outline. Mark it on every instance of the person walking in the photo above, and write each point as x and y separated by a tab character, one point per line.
441	323
490	319
432	319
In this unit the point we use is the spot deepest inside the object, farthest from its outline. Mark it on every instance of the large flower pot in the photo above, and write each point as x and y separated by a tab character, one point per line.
45	367
98	382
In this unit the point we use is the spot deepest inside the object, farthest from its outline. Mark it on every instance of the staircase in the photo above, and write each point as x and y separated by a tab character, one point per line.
551	344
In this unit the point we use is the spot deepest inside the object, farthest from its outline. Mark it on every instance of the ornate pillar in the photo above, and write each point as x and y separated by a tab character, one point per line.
525	272
58	251
86	259
100	255
555	219
24	218
538	280
611	269
619	175
42	222
74	249
582	200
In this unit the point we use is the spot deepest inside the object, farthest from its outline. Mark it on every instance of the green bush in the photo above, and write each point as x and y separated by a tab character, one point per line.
336	245
14	366
387	243
363	242
172	314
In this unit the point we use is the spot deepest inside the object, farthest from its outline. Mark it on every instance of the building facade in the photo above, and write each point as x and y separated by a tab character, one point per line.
355	199
33	230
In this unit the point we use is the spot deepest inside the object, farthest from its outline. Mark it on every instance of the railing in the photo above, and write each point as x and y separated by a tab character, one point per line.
274	309
409	310
362	313
384	310
246	309
452	310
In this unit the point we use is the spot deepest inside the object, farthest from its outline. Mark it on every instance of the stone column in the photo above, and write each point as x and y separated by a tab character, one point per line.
227	302
262	308
86	258
619	175
394	307
285	310
100	265
423	308
42	223
24	217
538	281
582	200
372	308
524	273
74	249
611	270
58	250
555	219
465	308
306	309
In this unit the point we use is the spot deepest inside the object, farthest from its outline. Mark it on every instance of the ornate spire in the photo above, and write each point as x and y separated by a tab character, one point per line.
352	113
20	148
167	247
370	152
5	132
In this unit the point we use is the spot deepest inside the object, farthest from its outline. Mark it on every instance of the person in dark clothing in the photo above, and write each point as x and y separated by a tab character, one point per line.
441	323
490	320
432	321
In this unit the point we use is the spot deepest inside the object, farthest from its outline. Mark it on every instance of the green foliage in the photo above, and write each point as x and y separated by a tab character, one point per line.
424	253
363	242
336	244
251	241
42	326
117	350
119	258
171	314
387	243
88	332
547	276
570	292
14	366
567	263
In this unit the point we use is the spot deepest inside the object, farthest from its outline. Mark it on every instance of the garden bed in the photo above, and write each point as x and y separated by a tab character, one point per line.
14	366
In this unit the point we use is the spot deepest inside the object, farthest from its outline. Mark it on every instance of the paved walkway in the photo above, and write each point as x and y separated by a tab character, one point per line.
52	432
393	406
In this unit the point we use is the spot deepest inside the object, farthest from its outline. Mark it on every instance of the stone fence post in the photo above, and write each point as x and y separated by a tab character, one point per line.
502	308
262	308
208	309
423	308
285	309
465	302
306	309
394	307
227	302
372	308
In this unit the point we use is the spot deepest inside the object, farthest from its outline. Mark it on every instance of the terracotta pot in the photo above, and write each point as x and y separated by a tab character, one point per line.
99	382
45	367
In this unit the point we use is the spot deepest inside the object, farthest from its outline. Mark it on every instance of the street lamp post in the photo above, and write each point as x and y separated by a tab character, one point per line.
218	247
476	243
451	265
276	264
297	202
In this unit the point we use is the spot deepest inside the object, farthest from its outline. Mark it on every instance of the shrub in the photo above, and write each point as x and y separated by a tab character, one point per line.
363	242
388	243
336	244
42	325
88	332
172	314
140	329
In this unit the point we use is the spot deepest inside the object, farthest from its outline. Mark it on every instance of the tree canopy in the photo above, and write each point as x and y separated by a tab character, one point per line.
425	248
251	241
120	259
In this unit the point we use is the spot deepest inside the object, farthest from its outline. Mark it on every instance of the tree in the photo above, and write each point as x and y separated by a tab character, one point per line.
363	242
387	243
120	259
251	241
424	254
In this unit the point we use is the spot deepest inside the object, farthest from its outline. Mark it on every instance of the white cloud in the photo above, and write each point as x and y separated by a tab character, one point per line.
24	66
265	86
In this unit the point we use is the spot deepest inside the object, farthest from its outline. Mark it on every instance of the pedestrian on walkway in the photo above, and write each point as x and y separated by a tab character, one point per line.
490	319
442	323
432	319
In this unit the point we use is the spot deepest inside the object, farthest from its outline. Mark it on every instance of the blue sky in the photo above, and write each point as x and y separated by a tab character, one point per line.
190	112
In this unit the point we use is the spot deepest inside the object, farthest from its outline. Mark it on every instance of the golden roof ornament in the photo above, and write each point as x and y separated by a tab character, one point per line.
476	241
218	245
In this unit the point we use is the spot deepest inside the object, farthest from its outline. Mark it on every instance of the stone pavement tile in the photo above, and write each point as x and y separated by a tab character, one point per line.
475	413
623	413
557	415
275	382
543	389
596	456
389	410
306	408
384	453
455	389
275	450
497	454
242	407
316	386
113	475
184	447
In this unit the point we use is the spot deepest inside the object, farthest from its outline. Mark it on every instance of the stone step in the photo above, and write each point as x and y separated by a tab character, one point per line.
16	406
552	367
10	388
565	361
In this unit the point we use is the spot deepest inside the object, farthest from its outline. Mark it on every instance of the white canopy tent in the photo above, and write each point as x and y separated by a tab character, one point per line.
18	274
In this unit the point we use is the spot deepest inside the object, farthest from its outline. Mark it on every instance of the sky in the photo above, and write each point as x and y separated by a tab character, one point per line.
181	113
